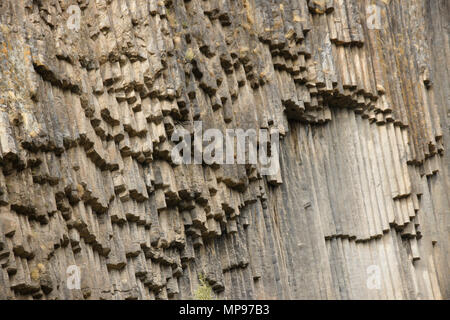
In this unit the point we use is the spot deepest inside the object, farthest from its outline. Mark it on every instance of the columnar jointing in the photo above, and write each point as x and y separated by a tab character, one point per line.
91	93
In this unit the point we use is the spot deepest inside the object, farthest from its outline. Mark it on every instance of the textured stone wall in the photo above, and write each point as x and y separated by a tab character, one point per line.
86	119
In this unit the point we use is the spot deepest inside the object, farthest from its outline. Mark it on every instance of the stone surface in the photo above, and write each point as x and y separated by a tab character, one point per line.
86	117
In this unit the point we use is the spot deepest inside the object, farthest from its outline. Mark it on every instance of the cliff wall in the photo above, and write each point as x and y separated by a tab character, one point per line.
91	93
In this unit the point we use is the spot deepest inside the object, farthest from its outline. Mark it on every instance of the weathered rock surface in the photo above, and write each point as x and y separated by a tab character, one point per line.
86	116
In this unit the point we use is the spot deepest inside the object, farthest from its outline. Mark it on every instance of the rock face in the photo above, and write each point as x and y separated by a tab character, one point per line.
92	91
